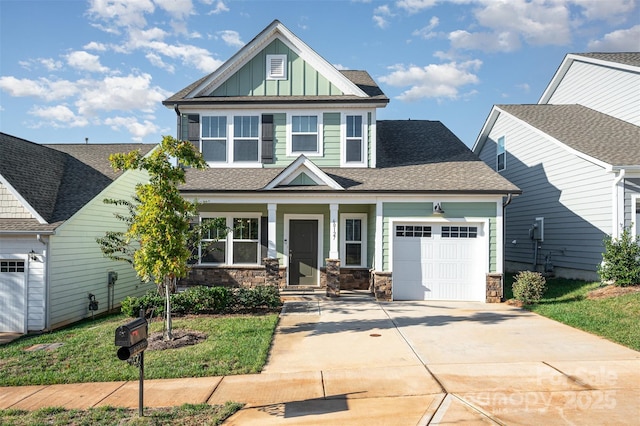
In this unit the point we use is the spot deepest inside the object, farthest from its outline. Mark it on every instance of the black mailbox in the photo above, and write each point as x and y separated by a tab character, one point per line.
132	337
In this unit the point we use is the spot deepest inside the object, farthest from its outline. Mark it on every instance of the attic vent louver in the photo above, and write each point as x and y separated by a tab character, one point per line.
276	67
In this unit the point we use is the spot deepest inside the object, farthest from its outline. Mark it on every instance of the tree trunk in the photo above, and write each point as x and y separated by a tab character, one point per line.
168	284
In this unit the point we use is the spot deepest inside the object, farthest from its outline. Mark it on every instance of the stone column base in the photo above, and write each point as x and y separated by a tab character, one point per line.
494	292
333	277
381	284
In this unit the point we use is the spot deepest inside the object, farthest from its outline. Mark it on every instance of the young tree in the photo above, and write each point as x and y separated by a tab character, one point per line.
158	236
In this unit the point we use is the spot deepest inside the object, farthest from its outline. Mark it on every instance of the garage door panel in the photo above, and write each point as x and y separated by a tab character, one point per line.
436	268
12	289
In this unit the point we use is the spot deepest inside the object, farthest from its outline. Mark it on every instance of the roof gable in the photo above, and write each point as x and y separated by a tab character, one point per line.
302	172
275	39
589	134
628	61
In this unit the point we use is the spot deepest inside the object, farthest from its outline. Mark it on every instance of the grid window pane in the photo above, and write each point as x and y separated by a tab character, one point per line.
214	127
245	126
245	252
214	150
214	252
353	254
304	143
353	231
245	229
354	126
354	150
245	150
304	124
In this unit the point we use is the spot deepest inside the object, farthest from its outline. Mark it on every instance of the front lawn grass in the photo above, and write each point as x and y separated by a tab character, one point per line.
237	344
186	415
615	318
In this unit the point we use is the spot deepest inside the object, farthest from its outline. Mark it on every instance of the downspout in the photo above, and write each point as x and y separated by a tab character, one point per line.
508	200
47	283
176	108
615	231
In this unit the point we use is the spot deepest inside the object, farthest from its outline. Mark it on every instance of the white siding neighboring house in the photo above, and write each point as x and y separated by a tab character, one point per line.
576	157
51	212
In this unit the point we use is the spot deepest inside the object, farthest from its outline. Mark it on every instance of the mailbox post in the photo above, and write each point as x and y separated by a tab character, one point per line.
132	339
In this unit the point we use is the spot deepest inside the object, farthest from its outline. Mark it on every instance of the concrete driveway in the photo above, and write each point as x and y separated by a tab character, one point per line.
436	363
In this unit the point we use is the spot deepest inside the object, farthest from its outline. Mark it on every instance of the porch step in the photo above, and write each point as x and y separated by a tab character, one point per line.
301	289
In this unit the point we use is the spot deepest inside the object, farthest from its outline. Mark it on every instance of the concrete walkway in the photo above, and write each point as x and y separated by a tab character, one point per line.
353	361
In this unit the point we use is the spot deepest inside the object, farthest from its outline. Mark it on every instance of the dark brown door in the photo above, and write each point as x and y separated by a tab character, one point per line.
303	252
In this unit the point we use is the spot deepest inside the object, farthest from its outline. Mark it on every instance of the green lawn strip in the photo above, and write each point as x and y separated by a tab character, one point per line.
186	415
236	345
614	318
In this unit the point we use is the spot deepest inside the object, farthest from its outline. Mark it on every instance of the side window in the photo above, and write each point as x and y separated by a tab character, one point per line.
213	245
214	138
501	156
354	240
246	240
236	240
245	138
304	134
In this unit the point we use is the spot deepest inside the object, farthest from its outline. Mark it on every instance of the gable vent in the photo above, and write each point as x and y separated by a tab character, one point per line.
276	67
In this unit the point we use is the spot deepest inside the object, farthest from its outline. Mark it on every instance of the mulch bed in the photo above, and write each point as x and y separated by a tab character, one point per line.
181	338
612	291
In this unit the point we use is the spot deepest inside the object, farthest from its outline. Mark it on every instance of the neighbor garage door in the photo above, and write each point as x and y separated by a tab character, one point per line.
12	291
435	261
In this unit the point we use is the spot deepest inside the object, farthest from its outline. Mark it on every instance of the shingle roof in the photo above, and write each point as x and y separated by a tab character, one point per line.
600	136
362	79
56	180
627	58
413	156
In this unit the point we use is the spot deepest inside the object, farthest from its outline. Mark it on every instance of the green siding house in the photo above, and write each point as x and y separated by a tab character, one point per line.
51	211
318	193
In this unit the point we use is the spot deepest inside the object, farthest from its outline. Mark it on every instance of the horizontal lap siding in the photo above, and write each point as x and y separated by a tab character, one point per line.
77	266
573	195
610	91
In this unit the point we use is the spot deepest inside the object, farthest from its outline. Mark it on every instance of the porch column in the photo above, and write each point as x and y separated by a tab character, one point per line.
272	253
333	232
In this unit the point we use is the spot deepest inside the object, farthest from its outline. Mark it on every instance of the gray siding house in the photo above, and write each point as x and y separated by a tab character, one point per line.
576	157
51	211
318	193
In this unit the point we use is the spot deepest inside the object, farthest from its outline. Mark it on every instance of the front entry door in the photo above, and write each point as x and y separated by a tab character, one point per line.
303	252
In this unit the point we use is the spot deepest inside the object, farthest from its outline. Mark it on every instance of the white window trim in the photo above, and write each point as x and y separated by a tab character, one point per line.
363	241
343	140
504	152
228	255
207	139
320	151
270	59
230	140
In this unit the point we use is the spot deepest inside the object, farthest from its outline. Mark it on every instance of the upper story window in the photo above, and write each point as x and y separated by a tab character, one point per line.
354	140
245	138
214	138
501	155
305	134
276	67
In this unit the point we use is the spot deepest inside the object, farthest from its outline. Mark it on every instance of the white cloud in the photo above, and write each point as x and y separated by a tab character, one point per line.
85	61
538	22
618	41
433	81
50	64
427	31
414	6
58	116
128	93
488	42
383	10
122	13
178	9
139	130
340	67
219	8
157	61
601	9
94	45
524	87
380	21
42	88
231	38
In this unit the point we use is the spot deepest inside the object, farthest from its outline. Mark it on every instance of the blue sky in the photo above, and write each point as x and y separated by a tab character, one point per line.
99	69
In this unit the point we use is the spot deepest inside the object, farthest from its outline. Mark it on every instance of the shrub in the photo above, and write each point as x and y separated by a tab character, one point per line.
621	259
151	302
529	287
206	300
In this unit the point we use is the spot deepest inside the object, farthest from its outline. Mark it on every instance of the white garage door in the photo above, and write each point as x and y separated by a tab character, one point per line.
12	295
439	261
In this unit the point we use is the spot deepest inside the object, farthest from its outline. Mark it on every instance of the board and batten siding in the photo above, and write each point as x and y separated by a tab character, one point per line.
609	90
19	247
77	266
302	79
573	196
